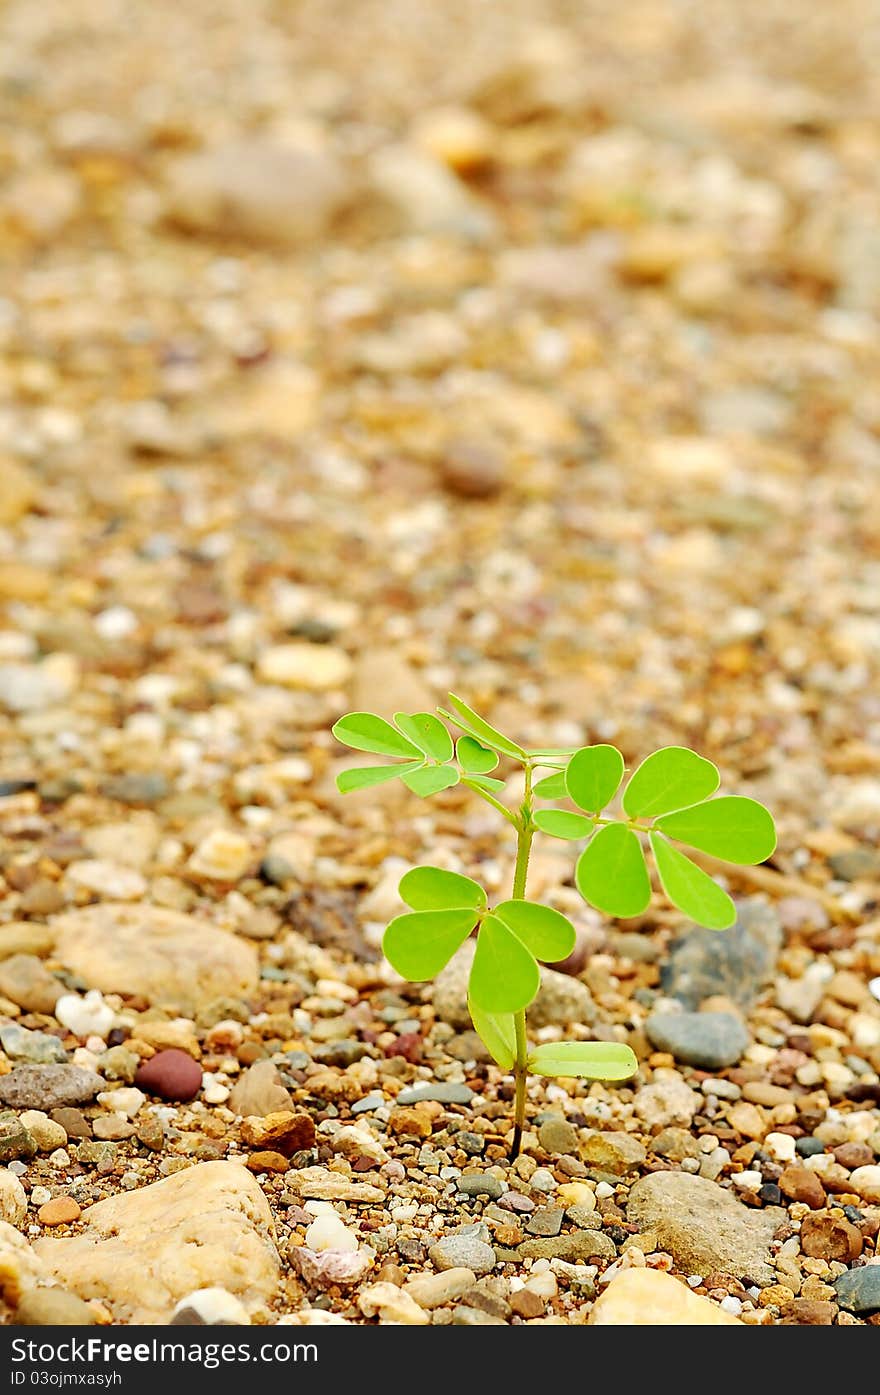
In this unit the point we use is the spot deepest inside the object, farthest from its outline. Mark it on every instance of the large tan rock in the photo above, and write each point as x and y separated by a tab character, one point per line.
704	1227
650	1298
171	959
143	1251
257	191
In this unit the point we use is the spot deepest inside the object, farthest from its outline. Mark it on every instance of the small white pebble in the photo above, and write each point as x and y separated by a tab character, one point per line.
731	1305
747	1181
874	988
694	1280
60	1158
604	1190
780	1146
40	1195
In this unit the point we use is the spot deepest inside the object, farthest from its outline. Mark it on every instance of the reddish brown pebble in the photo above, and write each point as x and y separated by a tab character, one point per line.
61	1210
852	1155
527	1304
268	1162
172	1075
799	1184
830	1237
408	1045
810	1312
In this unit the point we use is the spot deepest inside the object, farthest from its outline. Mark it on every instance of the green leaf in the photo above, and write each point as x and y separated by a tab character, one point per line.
592	777
559	823
431	779
497	1032
427	732
669	779
690	888
419	945
485	782
475	725
611	872
594	1060
553	752
473	757
552	787
737	829
434	889
504	975
548	934
365	732
361	777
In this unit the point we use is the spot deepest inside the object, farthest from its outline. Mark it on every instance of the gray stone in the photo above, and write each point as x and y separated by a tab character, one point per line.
737	964
16	1141
547	1220
704	1227
855	864
557	1135
48	1087
858	1290
463	1249
39	1048
136	789
579	1247
709	1040
442	1091
481	1184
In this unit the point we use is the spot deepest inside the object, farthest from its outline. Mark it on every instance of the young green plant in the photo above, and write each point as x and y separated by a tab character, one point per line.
668	800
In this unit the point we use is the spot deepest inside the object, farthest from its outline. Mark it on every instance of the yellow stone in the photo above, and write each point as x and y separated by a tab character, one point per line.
17	491
652	1298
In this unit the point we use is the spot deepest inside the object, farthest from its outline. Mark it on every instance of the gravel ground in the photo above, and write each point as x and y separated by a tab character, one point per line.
356	351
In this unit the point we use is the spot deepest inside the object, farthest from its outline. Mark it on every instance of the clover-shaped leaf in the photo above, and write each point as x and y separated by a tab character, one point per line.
365	732
552	786
420	944
435	889
497	1032
732	827
547	933
561	823
473	757
431	779
690	888
426	732
669	779
474	725
504	974
592	777
611	873
361	777
592	1060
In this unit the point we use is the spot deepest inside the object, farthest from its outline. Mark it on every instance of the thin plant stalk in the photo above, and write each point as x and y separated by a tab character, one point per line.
524	836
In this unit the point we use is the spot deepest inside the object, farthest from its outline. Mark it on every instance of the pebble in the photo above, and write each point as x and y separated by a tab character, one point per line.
480	1184
576	1247
737	964
464	1249
88	1016
800	1184
48	1087
389	1303
441	1091
665	1102
546	1220
40	1048
328	1232
29	939
825	1236
210	1307
61	1210
613	1152
709	1040
434	1290
650	1298
46	1133
172	1075
221	856
858	1290
25	981
557	1135
108	879
703	1227
13	1198
258	1091
316	668
53	1307
865	1182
